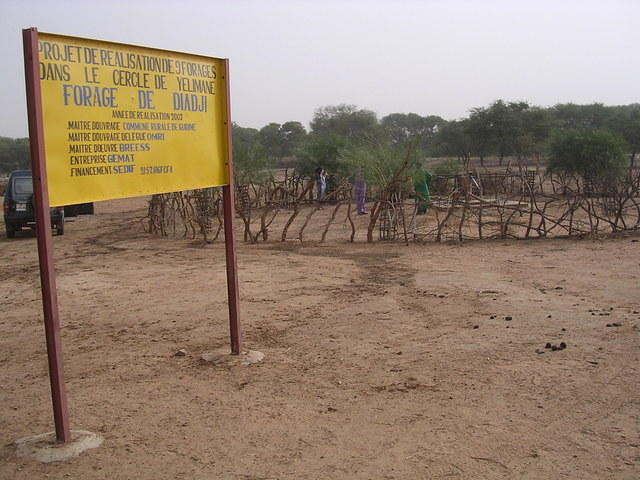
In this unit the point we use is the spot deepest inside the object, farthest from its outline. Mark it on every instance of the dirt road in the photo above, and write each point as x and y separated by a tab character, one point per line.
381	361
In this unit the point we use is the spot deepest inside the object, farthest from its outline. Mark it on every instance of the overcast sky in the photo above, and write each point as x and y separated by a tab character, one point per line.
429	57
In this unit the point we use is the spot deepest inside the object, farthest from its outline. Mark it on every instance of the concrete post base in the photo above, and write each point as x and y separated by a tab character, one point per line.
223	357
45	448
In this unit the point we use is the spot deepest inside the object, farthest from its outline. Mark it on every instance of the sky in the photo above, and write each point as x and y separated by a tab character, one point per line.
288	58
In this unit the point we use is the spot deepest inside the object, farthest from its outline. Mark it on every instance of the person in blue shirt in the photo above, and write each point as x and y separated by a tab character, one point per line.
321	182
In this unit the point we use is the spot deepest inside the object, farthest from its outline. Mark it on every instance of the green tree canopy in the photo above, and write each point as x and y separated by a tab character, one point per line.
320	150
292	136
279	141
504	124
250	162
347	121
404	128
588	153
625	120
14	154
333	128
580	117
271	141
502	128
454	139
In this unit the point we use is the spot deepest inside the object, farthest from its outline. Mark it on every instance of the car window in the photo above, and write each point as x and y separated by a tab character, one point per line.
23	186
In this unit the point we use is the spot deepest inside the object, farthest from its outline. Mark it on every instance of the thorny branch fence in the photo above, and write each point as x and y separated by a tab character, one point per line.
478	205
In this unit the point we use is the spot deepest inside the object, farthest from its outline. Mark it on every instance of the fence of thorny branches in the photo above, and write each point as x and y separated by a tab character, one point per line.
516	203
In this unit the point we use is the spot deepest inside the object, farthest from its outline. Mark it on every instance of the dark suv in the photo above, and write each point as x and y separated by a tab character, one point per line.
18	205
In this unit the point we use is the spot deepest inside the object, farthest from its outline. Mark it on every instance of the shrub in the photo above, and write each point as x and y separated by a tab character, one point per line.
588	153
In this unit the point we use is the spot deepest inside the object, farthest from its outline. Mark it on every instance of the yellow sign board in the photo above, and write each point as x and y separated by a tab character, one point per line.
123	121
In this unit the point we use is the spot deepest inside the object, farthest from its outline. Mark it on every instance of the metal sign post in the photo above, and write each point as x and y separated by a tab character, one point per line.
229	235
43	232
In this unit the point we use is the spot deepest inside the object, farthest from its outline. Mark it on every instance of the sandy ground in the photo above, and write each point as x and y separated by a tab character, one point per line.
382	361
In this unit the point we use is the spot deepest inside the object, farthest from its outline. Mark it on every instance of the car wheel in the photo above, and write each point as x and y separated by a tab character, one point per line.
11	232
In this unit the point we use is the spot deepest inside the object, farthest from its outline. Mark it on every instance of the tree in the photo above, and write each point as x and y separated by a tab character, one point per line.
453	139
580	117
320	150
378	160
532	132
333	128
281	141
625	120
292	136
250	161
505	125
14	154
508	128
271	140
384	165
346	121
588	153
479	130
405	128
496	128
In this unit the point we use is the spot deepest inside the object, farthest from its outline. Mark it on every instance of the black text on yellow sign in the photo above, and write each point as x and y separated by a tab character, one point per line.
123	121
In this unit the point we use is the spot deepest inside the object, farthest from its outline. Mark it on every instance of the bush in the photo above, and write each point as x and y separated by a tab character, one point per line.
588	153
447	167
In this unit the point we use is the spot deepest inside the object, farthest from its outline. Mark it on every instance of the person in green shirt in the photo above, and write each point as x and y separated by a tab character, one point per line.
422	182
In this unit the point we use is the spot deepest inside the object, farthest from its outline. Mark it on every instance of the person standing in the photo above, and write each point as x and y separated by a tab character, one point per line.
421	188
361	192
321	183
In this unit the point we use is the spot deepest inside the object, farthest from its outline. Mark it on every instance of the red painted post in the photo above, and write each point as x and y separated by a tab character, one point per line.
43	229
229	235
